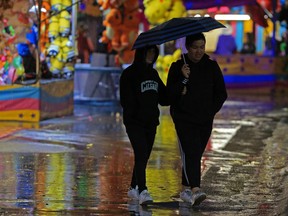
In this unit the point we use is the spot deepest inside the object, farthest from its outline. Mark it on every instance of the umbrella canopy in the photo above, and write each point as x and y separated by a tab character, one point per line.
174	29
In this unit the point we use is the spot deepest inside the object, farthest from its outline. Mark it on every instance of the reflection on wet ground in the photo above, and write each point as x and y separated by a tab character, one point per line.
81	165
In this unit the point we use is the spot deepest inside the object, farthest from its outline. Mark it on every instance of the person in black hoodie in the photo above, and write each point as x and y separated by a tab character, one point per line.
141	90
197	92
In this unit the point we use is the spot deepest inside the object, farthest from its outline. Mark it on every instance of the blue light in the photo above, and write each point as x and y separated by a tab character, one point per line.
189	5
249	78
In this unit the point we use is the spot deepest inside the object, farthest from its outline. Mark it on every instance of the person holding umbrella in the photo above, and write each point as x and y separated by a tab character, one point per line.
197	92
141	90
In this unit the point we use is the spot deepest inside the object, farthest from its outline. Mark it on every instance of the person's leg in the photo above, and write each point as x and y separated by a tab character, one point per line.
150	138
134	179
204	135
142	145
186	193
144	195
192	141
185	146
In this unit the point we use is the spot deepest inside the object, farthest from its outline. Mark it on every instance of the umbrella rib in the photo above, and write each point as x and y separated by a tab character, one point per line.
171	33
176	28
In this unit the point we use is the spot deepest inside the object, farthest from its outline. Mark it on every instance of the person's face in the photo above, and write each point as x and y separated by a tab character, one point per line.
150	55
196	50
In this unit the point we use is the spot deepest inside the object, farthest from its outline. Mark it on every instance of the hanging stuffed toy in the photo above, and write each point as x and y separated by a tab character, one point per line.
53	29
56	65
54	47
56	6
113	23
68	52
67	5
68	70
129	29
64	23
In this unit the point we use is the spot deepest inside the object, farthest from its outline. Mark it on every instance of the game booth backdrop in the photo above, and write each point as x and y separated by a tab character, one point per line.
49	93
124	20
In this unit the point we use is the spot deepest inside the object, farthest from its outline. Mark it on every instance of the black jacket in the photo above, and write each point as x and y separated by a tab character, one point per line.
141	90
206	91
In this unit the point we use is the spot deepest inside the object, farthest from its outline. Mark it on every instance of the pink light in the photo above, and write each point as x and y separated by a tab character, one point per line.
218	9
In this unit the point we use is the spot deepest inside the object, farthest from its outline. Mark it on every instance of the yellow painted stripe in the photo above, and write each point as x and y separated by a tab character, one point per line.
21	115
6	87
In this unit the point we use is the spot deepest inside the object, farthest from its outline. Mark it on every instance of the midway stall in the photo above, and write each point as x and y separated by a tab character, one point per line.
44	91
261	74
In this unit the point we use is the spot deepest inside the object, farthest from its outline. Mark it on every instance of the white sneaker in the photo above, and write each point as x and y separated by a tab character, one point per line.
133	206
186	195
198	197
133	193
145	198
144	211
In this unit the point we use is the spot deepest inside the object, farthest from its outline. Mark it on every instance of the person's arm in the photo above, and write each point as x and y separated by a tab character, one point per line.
127	93
162	92
175	83
220	93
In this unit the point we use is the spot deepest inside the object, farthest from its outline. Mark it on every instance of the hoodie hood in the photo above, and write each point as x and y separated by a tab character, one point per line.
140	54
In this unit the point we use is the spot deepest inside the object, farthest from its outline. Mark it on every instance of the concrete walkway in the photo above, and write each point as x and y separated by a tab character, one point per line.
81	164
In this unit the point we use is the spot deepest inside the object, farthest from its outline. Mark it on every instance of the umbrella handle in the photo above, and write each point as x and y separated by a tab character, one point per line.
184	58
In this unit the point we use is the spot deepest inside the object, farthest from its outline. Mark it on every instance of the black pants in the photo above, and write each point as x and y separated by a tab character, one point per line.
142	140
192	139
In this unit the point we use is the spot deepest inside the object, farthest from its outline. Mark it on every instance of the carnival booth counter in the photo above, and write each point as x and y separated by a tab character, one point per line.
36	102
254	74
34	99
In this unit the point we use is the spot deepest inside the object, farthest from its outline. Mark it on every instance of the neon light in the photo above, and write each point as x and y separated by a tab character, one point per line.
232	17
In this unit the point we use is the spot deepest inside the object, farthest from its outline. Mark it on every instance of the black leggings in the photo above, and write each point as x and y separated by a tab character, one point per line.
192	139
142	140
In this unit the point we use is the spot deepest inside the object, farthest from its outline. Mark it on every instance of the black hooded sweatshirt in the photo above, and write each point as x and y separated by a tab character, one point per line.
141	90
206	91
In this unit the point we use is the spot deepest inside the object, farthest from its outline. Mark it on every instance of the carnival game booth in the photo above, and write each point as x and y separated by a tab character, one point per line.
242	72
36	102
40	97
254	74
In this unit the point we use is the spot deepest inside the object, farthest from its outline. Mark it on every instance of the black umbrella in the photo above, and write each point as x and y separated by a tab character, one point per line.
174	29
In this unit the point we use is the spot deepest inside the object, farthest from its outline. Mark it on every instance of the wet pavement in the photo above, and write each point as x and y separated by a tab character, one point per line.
81	164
